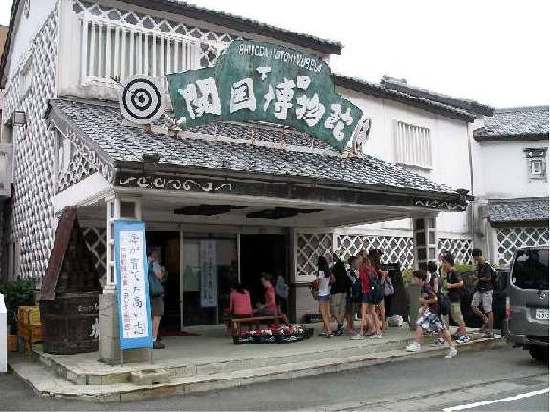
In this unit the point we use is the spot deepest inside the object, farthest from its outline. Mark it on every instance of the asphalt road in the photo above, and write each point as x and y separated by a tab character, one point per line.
419	384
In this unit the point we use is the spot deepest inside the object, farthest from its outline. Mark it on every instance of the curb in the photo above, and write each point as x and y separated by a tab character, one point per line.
205	383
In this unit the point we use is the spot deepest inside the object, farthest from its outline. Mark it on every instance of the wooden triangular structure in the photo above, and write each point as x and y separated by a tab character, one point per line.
71	266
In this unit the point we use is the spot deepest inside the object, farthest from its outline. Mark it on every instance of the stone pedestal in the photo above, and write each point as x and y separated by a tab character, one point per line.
109	347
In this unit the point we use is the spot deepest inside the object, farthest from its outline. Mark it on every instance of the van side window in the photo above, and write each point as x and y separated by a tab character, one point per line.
531	269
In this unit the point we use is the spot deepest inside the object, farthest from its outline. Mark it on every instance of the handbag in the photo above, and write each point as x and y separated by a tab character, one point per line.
388	287
314	289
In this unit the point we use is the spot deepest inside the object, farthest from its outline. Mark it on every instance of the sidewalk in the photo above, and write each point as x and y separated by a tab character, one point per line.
210	362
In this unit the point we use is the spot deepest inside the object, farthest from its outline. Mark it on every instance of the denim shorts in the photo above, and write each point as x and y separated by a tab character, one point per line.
367	298
324	298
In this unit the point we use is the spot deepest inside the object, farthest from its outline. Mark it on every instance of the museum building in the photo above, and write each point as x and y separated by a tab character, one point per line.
271	196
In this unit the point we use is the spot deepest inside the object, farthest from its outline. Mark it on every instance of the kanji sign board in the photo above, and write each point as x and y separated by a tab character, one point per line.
132	285
254	81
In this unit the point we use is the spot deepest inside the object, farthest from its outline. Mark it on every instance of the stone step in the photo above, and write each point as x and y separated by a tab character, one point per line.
353	348
45	383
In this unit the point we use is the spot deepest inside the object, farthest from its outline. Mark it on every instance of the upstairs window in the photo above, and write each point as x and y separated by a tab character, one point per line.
117	52
412	145
536	163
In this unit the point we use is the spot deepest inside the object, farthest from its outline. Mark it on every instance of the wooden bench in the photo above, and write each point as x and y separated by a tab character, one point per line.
236	323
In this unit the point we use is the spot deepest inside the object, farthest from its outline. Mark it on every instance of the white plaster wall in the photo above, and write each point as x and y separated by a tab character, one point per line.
450	152
502	173
27	27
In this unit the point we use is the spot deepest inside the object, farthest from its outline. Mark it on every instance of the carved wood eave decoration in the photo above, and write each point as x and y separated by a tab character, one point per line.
288	190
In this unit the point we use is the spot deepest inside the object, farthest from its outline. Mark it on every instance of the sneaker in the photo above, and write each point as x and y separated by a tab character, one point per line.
438	343
357	337
379	335
323	333
339	332
452	353
463	339
329	335
413	347
158	345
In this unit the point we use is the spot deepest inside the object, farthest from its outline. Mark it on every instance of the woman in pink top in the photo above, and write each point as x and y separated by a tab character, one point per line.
239	302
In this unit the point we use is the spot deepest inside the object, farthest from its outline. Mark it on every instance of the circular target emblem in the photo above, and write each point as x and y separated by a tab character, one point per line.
141	101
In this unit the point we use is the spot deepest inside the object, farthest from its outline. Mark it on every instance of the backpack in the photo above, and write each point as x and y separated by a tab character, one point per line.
376	289
155	287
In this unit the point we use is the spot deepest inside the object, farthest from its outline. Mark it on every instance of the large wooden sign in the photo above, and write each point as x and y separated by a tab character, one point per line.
132	285
262	82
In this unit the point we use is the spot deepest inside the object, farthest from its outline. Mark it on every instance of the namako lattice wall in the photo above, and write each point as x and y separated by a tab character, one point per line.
395	249
29	90
510	239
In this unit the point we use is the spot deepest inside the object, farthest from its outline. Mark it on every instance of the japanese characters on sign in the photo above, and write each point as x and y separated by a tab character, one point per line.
263	82
209	274
132	285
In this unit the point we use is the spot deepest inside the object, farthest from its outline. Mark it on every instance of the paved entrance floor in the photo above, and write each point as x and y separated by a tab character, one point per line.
212	361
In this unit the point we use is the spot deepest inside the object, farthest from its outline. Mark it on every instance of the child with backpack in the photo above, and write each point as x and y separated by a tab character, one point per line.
429	320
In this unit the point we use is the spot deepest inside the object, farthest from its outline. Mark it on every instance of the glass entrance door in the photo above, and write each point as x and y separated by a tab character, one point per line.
209	268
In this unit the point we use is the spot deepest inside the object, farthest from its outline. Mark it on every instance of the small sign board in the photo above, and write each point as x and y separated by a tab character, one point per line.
132	286
209	274
263	82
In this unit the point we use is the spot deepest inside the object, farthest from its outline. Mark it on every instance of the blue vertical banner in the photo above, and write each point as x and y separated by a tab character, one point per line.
132	285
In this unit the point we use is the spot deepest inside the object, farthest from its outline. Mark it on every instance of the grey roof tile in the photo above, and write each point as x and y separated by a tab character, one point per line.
103	126
406	96
518	210
514	122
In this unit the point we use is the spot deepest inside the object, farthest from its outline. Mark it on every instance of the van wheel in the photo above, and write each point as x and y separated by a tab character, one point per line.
539	353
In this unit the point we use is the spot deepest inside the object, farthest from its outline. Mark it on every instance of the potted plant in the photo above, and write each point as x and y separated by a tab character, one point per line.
16	293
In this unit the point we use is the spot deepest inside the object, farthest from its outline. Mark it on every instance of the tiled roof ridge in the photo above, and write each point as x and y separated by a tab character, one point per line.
378	90
470	105
226	19
521	108
519	199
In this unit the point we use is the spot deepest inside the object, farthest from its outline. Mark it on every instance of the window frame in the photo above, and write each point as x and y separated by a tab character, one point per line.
406	149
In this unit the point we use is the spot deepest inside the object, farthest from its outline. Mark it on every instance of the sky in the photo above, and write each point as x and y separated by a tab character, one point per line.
495	52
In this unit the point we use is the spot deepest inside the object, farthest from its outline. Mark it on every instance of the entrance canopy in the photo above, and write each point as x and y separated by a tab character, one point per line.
246	173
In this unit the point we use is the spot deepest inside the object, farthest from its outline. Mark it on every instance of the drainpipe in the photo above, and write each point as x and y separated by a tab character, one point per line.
470	161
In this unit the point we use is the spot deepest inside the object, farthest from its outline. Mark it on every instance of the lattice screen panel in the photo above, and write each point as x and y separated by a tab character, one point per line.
96	239
309	246
29	89
84	162
461	249
395	249
510	239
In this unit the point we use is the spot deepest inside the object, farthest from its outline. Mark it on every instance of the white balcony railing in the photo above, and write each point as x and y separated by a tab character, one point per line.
112	50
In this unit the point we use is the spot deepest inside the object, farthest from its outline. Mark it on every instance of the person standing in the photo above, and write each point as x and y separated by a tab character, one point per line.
338	292
368	315
156	275
323	280
484	292
454	285
428	319
281	291
353	295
